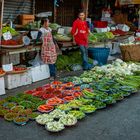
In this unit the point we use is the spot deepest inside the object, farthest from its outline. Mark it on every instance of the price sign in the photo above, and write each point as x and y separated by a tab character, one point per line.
7	36
7	67
60	31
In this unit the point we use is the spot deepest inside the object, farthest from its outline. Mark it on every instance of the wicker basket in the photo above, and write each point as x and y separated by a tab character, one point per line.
131	52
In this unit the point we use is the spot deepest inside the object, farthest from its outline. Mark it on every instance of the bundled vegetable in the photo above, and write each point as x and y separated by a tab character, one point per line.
9	29
68	120
88	108
62	37
88	94
54	126
44	119
78	114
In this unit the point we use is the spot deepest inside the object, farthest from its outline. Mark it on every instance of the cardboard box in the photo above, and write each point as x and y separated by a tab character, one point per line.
2	86
39	73
17	80
25	19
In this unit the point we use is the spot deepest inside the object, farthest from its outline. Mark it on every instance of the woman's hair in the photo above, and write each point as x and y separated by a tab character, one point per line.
43	20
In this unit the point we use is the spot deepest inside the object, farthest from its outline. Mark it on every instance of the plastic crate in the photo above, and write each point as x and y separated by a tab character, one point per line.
100	24
17	80
99	54
2	86
39	73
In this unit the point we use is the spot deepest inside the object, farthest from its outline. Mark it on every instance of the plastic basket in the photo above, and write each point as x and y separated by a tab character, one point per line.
99	54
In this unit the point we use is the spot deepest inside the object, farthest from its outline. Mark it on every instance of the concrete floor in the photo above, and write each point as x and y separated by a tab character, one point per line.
118	122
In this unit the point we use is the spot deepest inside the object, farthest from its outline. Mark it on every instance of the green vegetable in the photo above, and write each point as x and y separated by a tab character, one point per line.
9	29
85	101
88	94
77	114
88	108
99	104
64	107
68	120
75	104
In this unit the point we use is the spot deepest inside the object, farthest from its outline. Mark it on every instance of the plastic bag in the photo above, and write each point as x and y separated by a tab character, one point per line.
37	61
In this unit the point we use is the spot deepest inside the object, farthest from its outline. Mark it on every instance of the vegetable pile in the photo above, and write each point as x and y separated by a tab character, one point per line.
73	99
99	37
9	29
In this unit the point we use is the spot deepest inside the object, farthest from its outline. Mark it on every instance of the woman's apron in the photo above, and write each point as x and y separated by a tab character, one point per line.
48	53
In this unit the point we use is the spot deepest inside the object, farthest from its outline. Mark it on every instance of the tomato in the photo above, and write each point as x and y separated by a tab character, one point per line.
69	98
77	94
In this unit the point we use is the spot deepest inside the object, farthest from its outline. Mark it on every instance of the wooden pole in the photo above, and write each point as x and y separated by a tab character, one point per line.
1	18
139	20
2	9
54	12
87	5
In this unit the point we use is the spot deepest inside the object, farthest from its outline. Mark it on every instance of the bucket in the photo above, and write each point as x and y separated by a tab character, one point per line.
99	54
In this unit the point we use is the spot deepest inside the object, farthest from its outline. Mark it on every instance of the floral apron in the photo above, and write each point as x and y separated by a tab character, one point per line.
48	53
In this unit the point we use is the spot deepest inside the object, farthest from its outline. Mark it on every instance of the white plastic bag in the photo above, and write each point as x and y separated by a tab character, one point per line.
37	61
123	27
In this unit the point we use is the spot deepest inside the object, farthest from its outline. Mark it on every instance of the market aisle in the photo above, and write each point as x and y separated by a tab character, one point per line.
119	122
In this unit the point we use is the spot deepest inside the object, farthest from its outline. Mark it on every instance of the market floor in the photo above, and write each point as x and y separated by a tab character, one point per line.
118	122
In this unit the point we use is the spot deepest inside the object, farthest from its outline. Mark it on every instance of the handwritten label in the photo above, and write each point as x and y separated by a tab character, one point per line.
7	36
7	67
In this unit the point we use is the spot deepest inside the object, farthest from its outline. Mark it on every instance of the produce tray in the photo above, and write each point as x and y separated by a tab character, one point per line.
12	46
1	75
17	72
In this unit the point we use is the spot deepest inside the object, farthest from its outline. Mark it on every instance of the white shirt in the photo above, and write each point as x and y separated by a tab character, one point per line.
44	30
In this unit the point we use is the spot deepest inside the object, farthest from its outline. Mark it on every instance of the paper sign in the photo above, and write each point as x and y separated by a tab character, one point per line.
7	36
7	67
131	39
60	31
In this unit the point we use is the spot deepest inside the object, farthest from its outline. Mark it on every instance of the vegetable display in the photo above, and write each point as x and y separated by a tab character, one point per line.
2	72
64	107
10	116
68	120
16	109
78	114
11	42
62	37
66	102
57	114
9	29
88	108
54	126
20	120
44	119
45	108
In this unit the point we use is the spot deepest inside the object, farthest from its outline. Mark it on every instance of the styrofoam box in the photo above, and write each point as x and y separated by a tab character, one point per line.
17	80
101	30
39	73
2	86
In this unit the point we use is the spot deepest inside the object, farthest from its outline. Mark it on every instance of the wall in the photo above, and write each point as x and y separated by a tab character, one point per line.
12	8
44	6
68	11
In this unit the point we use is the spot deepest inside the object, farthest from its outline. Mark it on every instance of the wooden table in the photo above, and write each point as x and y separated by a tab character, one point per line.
5	53
66	45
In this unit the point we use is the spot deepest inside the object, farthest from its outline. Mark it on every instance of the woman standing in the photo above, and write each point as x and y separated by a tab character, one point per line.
80	32
48	50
